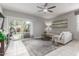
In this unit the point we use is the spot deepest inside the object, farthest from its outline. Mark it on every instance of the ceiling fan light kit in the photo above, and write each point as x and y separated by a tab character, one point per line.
45	10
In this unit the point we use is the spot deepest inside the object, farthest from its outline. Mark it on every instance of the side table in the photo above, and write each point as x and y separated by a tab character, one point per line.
54	39
2	48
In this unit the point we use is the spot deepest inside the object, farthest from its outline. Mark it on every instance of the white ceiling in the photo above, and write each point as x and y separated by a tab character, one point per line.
31	8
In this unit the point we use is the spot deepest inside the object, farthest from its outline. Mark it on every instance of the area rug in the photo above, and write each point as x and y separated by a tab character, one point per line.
37	47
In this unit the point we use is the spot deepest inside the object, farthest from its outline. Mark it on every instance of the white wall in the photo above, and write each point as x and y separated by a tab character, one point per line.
38	24
72	24
1	11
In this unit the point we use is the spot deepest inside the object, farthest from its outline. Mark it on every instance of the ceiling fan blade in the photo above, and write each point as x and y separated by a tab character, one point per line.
50	10
39	7
40	10
51	7
45	4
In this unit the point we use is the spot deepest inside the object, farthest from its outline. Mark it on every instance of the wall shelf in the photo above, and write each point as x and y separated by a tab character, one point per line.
60	23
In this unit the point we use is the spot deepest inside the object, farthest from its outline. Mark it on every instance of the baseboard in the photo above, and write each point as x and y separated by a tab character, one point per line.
37	37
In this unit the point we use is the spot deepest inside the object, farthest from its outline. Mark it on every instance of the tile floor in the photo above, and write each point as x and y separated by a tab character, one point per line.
70	49
16	48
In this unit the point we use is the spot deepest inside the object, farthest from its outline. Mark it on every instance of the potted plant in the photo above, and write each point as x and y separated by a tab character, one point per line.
2	36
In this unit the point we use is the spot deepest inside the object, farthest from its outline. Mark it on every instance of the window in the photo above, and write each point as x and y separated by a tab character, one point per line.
20	26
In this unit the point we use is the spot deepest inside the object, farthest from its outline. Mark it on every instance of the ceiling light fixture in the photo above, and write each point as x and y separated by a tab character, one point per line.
45	10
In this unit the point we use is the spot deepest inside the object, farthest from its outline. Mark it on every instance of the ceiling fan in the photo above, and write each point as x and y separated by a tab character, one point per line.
45	8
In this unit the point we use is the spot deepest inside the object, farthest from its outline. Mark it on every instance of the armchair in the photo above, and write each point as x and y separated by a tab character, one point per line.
63	38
